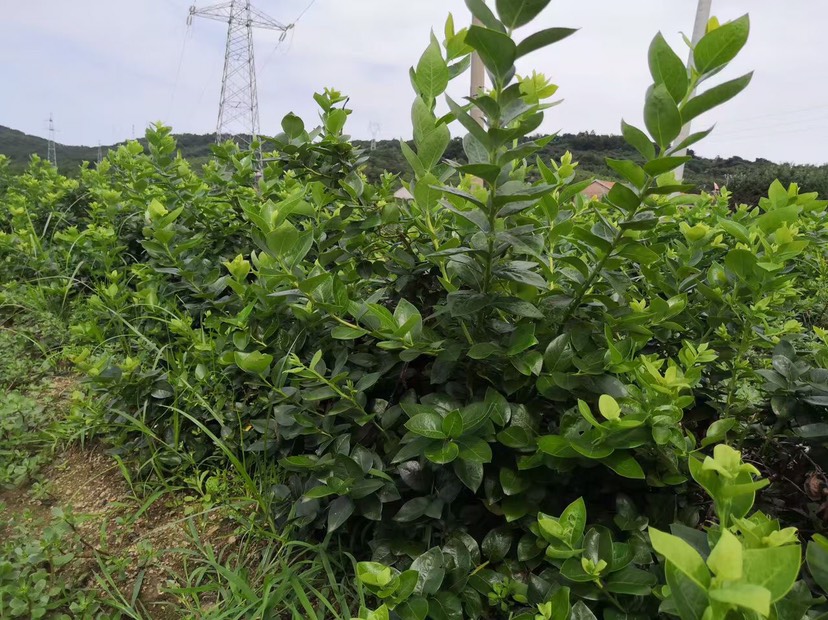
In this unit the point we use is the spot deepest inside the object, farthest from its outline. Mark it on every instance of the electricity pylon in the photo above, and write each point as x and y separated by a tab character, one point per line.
239	106
374	128
52	155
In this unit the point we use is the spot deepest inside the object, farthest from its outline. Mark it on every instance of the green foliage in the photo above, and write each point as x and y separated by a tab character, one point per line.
745	567
34	580
430	382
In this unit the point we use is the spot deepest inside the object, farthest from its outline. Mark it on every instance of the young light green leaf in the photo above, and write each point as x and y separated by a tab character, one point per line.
726	558
745	595
681	555
609	407
774	568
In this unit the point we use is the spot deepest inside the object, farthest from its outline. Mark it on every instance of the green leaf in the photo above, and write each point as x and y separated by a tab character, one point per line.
744	595
497	50
773	568
497	543
442	453
628	169
432	74
522	338
517	13
254	362
581	612
445	606
433	146
725	559
475	449
469	472
817	558
483	350
555	445
721	45
625	465
413	509
690	140
609	407
475	415
427	424
415	608
735	229
557	356
487	172
638	140
479	135
512	482
681	555
664	164
453	425
339	511
289	245
542	38
661	116
632	581
690	598
482	12
713	97
623	197
293	126
345	332
430	566
667	68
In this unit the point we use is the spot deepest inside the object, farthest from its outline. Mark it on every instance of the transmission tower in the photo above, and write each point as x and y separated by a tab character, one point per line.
239	106
374	128
52	156
100	152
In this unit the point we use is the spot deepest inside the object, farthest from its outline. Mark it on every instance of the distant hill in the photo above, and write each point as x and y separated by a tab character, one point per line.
748	180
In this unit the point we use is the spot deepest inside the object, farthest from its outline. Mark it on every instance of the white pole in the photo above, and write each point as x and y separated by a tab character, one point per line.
478	79
699	29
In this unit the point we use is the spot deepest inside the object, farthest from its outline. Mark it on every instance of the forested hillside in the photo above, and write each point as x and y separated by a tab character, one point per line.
748	180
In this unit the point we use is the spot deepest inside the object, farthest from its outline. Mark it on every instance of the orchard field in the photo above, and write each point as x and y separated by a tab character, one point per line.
270	389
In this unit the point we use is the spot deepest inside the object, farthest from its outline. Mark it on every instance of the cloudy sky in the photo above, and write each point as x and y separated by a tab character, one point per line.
104	66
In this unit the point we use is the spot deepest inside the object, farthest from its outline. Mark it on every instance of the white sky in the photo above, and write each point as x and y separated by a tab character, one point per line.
103	66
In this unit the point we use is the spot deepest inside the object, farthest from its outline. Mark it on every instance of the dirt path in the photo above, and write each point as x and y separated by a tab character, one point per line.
140	543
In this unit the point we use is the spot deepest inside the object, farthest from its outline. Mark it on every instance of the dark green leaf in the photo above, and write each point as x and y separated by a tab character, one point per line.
497	543
543	38
638	140
427	424
661	165
469	472
667	68
713	97
339	511
517	13
413	509
661	116
497	51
